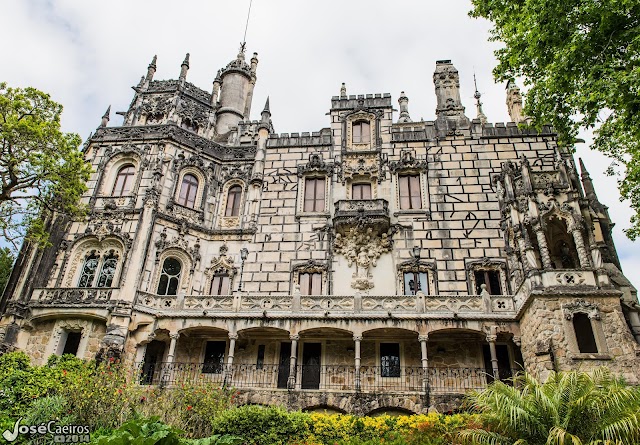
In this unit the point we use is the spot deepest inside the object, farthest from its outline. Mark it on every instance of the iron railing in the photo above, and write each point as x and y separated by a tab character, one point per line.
434	380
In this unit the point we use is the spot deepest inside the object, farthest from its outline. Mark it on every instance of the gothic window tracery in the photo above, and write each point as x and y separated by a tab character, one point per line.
124	181
108	270
89	268
169	277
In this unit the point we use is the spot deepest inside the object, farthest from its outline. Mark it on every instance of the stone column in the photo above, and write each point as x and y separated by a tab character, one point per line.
291	383
425	361
357	339
491	338
232	348
544	249
167	370
582	251
634	318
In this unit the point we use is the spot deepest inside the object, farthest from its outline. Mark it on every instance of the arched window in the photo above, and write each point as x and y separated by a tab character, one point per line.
361	132
220	284
169	277
233	201
105	279
584	333
89	269
124	181
188	191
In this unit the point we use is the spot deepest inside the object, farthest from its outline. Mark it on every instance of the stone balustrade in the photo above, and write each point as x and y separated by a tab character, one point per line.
73	296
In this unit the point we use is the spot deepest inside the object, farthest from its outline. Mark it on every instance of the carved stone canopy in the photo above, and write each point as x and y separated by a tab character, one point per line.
222	264
315	165
581	306
408	162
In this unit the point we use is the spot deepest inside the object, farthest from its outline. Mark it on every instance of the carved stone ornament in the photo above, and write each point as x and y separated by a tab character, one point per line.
221	264
581	306
108	223
361	165
407	162
362	247
179	241
235	171
112	344
157	106
315	165
194	112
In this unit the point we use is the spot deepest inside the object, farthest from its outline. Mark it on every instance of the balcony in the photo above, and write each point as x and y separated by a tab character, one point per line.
334	378
372	213
73	296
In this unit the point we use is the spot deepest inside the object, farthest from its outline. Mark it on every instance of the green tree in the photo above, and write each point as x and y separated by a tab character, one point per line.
42	171
572	408
580	60
6	264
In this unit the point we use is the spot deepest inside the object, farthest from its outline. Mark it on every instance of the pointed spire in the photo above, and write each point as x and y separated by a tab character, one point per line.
343	90
479	113
403	100
266	107
151	69
587	183
184	68
105	117
265	121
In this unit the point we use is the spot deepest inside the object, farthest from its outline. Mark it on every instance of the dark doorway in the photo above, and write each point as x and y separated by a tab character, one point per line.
214	357
72	343
311	356
151	364
283	365
504	362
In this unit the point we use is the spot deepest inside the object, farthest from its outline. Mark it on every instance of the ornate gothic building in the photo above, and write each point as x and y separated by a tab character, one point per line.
376	264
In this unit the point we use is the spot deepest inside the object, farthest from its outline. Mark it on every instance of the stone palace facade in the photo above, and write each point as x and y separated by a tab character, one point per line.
378	264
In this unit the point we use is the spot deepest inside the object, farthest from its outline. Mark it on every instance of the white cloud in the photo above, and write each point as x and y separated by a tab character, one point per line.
88	54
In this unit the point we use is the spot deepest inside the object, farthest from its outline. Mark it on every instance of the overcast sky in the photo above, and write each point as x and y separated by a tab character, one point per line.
88	54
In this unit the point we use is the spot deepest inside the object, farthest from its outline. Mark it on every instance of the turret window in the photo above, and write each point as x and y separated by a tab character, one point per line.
361	132
409	189
169	277
124	181
361	191
188	191
233	201
314	194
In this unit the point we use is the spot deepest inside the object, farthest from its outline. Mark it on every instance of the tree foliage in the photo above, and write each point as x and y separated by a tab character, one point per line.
580	60
572	408
41	169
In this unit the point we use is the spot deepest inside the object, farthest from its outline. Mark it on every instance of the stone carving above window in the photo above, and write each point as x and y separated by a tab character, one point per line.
408	163
179	241
157	107
221	264
362	247
363	165
581	306
193	112
315	165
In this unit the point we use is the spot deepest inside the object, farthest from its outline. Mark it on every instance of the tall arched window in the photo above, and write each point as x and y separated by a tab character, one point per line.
89	269
169	277
124	181
361	132
188	191
105	279
233	201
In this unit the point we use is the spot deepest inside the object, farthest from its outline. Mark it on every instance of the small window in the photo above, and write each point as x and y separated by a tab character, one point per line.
124	181
410	197
260	361
361	132
584	333
489	277
233	201
169	277
72	343
105	279
89	269
220	285
214	357
314	194
361	191
389	359
415	282
310	283
188	191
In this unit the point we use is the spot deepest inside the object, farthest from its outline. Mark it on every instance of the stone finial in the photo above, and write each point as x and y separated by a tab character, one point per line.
587	183
105	117
403	100
216	90
479	113
184	68
266	113
151	69
343	90
449	109
254	63
514	102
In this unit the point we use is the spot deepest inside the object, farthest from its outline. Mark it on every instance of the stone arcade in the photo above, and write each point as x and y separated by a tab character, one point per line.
369	266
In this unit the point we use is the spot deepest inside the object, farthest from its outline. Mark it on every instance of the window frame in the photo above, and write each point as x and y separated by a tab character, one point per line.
415	201
179	198
312	282
392	370
361	186
128	178
361	125
178	277
316	200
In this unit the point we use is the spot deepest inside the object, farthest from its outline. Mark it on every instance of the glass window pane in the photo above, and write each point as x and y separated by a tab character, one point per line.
88	272
366	133
494	283
107	272
423	283
304	283
414	188
319	195
173	286
169	277
162	284
479	275
316	284
357	132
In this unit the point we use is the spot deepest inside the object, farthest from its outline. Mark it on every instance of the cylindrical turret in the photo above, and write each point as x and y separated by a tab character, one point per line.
237	81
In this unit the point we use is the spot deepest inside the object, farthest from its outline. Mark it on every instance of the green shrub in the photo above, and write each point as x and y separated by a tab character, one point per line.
141	432
263	425
49	408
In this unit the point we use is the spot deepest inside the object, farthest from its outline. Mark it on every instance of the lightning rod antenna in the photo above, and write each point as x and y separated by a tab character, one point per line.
246	26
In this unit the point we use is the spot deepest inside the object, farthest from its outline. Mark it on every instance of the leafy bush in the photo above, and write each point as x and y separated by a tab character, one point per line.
263	425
